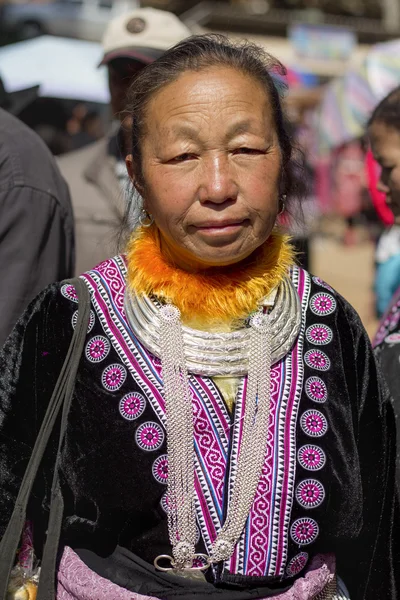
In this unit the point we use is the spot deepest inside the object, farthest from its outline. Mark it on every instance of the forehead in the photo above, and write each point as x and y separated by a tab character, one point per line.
209	94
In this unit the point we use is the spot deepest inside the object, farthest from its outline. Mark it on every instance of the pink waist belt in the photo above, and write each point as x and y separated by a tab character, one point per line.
77	582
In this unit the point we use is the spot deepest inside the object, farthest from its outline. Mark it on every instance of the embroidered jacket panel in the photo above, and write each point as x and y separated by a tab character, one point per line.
328	479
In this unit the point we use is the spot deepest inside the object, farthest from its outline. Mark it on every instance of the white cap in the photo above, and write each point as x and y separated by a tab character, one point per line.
143	35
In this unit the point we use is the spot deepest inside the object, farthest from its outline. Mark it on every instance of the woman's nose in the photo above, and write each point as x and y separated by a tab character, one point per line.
218	181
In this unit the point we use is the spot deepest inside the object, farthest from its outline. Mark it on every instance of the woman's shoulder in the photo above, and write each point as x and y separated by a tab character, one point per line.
325	304
48	304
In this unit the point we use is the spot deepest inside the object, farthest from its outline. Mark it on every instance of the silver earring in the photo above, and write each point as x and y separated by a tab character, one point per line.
145	219
282	203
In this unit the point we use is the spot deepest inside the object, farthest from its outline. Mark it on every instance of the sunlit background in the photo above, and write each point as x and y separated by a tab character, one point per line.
342	57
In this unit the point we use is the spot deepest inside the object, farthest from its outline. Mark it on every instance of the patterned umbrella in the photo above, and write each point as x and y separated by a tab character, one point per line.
349	101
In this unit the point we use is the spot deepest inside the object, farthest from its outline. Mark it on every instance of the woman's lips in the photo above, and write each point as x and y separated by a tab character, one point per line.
214	228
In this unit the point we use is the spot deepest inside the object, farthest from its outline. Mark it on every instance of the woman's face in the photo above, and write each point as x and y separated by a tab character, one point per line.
211	166
385	144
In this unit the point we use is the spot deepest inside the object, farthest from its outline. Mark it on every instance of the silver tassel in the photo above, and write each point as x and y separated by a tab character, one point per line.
254	438
181	513
179	412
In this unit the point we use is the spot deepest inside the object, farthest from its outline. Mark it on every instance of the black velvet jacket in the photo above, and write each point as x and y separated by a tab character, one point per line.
112	490
387	350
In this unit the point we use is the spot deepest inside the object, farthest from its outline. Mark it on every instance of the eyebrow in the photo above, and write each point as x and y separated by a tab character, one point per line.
188	131
238	128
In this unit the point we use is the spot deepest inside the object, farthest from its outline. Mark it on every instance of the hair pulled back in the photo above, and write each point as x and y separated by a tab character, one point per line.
200	52
388	110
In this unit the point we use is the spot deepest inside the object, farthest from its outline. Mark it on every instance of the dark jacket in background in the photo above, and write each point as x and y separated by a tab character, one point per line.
36	220
98	199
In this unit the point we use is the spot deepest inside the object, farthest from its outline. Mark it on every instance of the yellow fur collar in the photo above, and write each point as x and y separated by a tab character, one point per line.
216	296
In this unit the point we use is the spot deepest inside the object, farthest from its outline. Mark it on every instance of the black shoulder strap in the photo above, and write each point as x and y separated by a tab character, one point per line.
61	397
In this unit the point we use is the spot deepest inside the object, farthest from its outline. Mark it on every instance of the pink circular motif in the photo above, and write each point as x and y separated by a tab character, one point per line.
316	389
160	469
132	406
304	531
319	334
113	377
393	338
97	349
311	458
313	423
297	564
149	436
310	493
69	292
322	304
322	283
91	320
164	503
316	359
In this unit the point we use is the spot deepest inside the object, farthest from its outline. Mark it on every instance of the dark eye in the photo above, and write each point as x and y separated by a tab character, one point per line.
182	157
246	150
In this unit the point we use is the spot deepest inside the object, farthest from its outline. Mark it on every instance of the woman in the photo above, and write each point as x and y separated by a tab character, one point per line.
384	135
276	473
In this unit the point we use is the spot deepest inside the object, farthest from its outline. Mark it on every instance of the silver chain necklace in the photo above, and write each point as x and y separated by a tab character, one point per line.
213	354
171	348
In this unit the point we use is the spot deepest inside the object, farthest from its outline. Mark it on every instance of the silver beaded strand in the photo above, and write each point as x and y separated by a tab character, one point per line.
180	490
254	439
178	406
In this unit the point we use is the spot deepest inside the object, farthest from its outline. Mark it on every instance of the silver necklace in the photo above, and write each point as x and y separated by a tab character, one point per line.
213	354
171	348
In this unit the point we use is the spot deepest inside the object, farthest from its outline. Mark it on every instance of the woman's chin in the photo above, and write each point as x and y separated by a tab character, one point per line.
222	257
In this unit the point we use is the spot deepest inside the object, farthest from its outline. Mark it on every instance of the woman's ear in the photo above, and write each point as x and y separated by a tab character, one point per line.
130	167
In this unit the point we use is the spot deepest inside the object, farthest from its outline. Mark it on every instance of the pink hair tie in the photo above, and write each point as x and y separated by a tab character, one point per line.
378	198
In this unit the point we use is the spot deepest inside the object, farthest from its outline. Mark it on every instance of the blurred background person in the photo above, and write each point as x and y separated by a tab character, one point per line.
387	273
36	220
385	121
91	130
384	135
96	173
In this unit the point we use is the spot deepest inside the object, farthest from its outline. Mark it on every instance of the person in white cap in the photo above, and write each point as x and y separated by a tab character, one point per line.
96	174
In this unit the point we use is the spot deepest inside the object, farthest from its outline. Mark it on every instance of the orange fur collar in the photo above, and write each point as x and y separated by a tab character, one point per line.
217	296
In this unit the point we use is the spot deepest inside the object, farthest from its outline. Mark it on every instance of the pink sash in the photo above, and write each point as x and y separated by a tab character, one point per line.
77	582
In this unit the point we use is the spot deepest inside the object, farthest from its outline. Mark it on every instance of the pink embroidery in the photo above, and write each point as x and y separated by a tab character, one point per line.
77	582
268	530
311	458
322	304
69	292
304	531
132	406
310	493
160	469
313	423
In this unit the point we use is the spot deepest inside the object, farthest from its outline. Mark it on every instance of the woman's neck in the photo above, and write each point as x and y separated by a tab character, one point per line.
213	295
182	259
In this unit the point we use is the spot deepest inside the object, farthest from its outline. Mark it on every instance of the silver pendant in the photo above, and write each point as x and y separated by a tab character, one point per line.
194	573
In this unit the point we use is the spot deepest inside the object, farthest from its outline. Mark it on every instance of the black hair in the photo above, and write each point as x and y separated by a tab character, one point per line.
388	110
199	52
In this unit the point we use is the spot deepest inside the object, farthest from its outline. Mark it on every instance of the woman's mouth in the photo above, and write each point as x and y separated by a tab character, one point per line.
220	227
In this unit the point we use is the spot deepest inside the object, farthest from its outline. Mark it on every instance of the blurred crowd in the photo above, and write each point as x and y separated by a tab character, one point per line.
91	139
